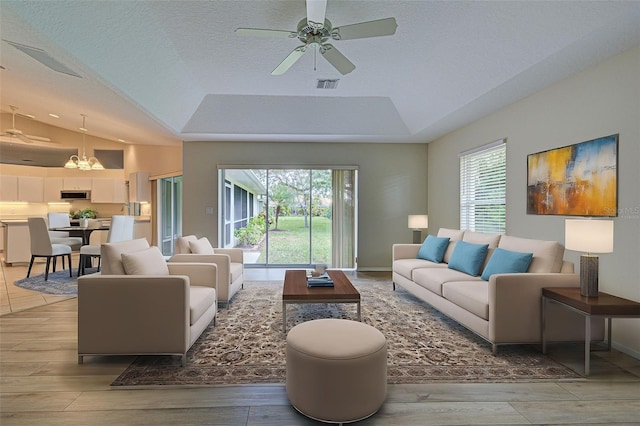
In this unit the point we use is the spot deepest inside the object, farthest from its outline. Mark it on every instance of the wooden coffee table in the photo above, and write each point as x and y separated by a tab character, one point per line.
296	291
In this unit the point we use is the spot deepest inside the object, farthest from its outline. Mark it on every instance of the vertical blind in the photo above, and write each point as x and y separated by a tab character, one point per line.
483	188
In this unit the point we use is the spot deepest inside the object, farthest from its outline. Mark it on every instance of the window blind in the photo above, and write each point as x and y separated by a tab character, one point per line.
483	188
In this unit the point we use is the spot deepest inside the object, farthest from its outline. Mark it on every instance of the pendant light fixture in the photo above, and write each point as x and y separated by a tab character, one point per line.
83	163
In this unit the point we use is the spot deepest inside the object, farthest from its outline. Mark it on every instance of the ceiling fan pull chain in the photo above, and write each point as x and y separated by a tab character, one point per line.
315	58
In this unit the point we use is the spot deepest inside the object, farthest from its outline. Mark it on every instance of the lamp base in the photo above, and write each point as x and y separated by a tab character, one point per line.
417	236
589	275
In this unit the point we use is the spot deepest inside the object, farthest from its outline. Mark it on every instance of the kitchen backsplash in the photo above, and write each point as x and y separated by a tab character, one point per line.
22	211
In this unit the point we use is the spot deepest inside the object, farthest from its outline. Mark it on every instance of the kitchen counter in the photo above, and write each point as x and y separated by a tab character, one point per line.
17	244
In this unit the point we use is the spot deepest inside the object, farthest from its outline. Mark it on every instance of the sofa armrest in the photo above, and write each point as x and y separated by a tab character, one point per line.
405	251
133	314
200	274
515	304
236	254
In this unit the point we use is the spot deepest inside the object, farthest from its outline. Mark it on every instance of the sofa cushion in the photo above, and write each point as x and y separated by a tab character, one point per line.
200	299
405	267
111	254
506	262
471	296
453	235
433	278
481	238
145	262
547	255
468	257
433	248
201	246
182	244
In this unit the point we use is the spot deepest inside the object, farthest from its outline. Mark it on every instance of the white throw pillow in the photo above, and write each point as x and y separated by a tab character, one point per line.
145	262
202	246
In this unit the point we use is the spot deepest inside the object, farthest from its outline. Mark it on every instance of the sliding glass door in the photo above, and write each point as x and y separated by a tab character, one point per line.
169	212
290	217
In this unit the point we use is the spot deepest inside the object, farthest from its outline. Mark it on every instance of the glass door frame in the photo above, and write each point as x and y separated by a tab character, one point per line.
223	221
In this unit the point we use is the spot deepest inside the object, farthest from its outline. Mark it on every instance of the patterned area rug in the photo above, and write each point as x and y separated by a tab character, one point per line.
59	282
247	344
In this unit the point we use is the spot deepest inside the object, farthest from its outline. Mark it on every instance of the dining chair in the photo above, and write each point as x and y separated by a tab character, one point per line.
121	229
41	246
61	220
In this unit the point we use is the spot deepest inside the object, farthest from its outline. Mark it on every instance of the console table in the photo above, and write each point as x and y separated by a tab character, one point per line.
603	306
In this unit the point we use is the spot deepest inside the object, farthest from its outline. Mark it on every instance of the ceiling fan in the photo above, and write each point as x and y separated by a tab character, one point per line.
15	133
315	30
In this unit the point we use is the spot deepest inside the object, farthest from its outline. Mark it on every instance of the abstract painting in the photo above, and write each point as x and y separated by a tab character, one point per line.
575	180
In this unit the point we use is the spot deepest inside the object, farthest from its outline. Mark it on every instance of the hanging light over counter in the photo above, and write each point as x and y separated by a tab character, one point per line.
83	163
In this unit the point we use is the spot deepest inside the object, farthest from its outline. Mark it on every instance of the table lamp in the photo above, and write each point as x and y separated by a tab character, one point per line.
590	236
418	222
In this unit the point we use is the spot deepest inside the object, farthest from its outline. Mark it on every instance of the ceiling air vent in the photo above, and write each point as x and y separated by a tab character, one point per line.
327	84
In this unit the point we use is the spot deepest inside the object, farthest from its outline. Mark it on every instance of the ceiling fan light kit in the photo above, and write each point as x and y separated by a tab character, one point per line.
84	164
315	30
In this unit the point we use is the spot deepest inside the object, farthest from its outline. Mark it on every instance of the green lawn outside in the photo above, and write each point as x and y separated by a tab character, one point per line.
290	243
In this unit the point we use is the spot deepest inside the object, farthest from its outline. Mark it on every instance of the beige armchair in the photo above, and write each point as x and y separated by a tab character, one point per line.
140	305
230	263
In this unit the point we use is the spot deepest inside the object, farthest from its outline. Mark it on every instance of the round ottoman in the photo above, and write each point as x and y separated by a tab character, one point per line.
336	369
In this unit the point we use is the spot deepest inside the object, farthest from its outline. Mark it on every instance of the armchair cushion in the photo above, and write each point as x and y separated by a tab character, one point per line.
145	262
111	254
201	246
182	244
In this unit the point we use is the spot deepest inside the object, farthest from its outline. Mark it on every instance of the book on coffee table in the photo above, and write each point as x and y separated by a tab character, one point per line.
319	282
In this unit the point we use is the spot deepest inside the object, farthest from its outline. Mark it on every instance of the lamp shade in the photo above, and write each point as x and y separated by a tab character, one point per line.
590	236
418	221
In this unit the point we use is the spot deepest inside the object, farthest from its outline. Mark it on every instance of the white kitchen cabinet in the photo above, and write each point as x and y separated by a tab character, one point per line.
139	187
17	247
8	188
108	191
52	188
31	189
120	194
102	190
77	183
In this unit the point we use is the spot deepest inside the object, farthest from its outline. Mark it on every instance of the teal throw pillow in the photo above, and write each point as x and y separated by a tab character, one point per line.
468	257
433	248
506	262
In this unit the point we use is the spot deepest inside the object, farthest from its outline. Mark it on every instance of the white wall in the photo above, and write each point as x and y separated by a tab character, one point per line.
600	101
392	185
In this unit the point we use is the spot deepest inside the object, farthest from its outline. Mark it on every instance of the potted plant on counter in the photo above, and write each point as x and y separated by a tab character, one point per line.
84	215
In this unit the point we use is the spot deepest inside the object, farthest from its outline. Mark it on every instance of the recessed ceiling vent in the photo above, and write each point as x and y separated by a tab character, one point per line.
327	84
44	58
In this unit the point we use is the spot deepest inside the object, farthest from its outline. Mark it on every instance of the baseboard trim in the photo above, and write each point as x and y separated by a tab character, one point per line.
374	269
626	350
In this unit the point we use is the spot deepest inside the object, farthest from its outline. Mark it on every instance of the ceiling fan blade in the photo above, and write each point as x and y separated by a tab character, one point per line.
381	27
265	33
337	59
38	138
289	60
24	138
316	12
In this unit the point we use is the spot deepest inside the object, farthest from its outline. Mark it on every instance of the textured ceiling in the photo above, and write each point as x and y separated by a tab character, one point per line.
159	72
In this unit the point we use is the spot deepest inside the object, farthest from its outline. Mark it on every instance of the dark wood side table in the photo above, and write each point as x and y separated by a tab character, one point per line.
603	306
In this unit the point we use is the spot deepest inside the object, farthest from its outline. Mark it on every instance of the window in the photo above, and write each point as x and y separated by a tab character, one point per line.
483	188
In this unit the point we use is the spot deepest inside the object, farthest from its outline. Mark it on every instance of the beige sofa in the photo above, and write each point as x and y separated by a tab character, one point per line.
141	305
506	309
230	263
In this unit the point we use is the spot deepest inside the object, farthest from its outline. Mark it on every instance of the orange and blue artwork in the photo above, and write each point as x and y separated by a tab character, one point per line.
575	180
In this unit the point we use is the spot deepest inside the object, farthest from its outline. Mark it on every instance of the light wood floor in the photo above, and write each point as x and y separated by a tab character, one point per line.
42	384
